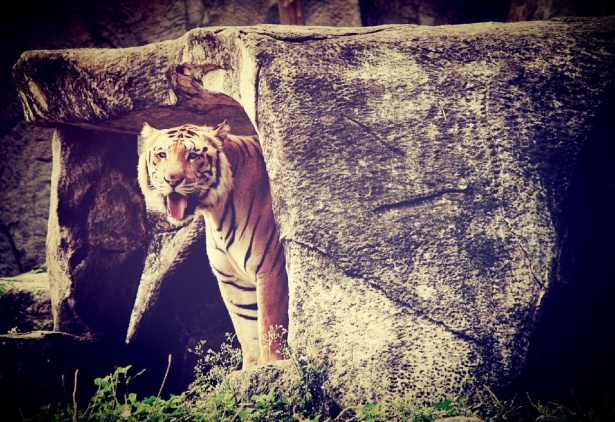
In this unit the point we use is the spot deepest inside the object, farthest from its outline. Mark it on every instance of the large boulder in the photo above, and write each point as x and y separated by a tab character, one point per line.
418	177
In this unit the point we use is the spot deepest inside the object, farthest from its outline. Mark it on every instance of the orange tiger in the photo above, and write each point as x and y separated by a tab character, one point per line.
189	169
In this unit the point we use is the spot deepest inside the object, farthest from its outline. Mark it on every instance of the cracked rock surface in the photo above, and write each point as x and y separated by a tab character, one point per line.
418	173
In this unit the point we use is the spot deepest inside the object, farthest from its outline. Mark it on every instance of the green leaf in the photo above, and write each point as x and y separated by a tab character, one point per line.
372	407
244	413
132	397
443	405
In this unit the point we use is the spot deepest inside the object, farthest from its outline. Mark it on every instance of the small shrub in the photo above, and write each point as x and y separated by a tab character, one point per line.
114	402
213	367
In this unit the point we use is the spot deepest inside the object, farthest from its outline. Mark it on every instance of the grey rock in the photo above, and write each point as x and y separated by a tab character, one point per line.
97	233
25	169
25	303
417	173
284	375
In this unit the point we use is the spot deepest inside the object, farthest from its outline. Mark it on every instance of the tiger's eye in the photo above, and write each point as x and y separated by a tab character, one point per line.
161	155
193	156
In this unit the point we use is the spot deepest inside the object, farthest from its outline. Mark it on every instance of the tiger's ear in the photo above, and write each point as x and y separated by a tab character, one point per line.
145	137
147	130
222	130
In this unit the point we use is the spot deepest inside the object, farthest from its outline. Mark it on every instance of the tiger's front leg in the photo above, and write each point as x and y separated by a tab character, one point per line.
242	305
272	299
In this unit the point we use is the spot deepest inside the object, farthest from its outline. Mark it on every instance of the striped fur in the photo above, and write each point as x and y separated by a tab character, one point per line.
190	169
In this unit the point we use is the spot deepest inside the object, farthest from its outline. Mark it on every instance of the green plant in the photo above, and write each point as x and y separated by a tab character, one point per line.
310	385
297	398
557	412
269	407
113	402
407	410
213	367
370	413
492	409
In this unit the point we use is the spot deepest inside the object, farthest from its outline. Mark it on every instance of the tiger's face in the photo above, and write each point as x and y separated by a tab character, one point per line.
183	169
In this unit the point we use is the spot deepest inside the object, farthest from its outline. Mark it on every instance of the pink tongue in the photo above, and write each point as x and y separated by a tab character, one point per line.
177	205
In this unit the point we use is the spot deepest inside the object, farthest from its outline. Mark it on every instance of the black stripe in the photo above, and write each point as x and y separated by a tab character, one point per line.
236	164
249	251
243	152
216	247
220	272
237	286
248	217
271	236
251	318
232	228
229	202
217	169
277	256
258	150
233	216
210	160
247	151
282	268
249	306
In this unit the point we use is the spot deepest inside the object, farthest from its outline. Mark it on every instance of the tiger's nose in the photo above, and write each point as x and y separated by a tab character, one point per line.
174	181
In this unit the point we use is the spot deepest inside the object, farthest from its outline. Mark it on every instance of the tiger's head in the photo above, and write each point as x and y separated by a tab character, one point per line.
183	169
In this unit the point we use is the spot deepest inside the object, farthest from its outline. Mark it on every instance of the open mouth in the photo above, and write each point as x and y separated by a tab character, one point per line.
178	206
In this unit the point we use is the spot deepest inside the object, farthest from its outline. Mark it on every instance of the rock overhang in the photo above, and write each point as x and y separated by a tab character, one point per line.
218	68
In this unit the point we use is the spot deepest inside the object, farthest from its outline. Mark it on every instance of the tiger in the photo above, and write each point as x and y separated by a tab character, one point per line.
189	170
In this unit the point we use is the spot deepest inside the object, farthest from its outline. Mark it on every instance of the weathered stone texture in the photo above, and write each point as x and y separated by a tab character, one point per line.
445	198
24	207
25	304
418	175
97	233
